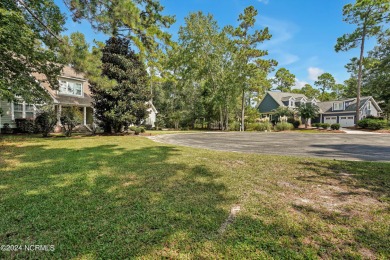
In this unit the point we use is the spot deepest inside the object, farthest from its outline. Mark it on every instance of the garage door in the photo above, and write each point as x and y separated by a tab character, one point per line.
346	121
330	119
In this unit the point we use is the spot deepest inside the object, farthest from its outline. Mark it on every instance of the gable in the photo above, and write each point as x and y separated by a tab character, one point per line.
267	104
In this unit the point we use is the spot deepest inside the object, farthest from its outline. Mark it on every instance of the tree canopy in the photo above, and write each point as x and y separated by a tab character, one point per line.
125	103
368	16
325	82
28	43
141	21
284	80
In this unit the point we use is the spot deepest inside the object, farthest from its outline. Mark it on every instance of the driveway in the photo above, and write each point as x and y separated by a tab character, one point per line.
362	147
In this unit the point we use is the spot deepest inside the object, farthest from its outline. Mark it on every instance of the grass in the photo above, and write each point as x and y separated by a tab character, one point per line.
127	197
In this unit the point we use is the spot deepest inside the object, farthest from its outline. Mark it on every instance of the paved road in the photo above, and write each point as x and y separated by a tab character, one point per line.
362	147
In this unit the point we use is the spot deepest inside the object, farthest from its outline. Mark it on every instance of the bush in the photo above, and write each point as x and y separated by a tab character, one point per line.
291	120
71	117
296	123
137	130
148	127
142	129
283	126
325	125
24	125
46	120
335	126
133	128
371	123
265	126
316	125
249	127
7	128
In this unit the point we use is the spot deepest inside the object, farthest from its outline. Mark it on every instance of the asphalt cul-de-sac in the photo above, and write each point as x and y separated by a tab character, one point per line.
362	147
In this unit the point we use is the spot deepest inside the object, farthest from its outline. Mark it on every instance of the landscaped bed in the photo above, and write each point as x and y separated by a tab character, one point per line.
126	196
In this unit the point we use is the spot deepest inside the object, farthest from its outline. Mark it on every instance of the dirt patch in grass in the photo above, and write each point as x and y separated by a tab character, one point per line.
333	196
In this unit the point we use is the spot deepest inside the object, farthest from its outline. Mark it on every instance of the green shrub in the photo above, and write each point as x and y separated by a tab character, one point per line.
372	123
24	125
291	120
70	118
142	129
325	125
7	128
46	120
316	125
234	126
137	131
283	126
335	126
249	127
133	128
296	123
264	126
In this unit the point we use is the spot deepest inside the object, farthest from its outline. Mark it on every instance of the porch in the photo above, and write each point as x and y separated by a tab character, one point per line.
87	117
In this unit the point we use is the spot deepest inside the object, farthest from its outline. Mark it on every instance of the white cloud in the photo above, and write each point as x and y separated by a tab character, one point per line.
281	31
287	58
283	58
299	84
314	73
263	1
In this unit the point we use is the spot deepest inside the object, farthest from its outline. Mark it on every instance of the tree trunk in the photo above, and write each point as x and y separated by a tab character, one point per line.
242	128
360	76
227	118
220	118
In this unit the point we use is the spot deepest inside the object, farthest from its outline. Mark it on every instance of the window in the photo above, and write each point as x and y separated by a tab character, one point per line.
291	103
338	106
71	88
23	110
369	105
18	110
29	110
63	86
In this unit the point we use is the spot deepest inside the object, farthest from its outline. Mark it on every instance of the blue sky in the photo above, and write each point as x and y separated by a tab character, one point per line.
304	31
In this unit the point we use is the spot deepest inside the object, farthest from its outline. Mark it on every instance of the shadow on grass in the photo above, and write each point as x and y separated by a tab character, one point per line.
354	151
105	201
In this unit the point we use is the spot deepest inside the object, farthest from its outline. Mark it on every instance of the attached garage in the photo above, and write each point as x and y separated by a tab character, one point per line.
330	119
347	121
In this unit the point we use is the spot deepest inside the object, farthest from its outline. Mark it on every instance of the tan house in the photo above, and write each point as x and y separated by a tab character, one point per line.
73	92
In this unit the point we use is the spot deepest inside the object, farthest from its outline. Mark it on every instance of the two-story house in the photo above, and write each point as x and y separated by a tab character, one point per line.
338	111
272	100
74	91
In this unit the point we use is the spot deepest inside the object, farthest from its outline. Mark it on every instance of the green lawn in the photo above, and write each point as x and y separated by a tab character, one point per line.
128	197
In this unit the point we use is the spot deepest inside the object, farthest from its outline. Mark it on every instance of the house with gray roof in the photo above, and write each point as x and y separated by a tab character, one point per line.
337	111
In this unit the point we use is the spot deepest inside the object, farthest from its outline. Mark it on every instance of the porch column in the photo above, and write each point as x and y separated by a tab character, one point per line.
59	112
85	115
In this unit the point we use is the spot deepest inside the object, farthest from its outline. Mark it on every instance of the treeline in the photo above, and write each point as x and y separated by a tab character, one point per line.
213	75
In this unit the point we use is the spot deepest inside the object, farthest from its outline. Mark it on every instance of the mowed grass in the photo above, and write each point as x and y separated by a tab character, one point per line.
116	197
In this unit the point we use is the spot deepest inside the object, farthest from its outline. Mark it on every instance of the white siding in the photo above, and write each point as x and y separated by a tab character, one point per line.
7	114
151	119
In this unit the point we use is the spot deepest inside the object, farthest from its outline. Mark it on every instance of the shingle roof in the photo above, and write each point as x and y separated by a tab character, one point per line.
326	107
68	72
278	96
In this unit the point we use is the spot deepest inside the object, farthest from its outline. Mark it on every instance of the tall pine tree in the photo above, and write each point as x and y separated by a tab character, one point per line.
126	102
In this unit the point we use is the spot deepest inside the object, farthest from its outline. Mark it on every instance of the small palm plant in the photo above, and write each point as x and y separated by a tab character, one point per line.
308	111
